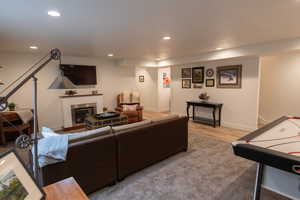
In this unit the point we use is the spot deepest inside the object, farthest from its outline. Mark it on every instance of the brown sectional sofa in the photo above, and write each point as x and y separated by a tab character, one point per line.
143	146
104	160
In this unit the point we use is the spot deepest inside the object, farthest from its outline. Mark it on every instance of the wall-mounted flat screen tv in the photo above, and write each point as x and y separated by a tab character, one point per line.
80	74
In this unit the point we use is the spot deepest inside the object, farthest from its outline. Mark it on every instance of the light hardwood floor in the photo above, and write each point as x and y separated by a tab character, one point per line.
219	133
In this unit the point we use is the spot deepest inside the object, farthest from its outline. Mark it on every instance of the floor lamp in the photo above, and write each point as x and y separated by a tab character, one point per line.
61	82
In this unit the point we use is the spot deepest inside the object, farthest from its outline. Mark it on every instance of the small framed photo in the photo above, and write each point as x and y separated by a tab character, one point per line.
186	83
197	86
229	76
198	74
141	78
16	181
210	82
186	73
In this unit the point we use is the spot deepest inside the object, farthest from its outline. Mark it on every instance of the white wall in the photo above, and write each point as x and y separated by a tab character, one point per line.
164	94
112	79
148	88
240	109
280	86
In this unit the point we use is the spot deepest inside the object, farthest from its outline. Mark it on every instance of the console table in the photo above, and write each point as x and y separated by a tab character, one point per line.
215	106
67	189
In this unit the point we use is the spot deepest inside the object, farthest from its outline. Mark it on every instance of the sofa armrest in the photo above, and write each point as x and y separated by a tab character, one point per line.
139	108
91	162
119	109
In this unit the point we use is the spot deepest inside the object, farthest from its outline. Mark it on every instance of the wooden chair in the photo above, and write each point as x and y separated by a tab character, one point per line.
133	116
6	128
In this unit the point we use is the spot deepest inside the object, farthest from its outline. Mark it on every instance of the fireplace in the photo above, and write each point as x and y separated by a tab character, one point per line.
81	111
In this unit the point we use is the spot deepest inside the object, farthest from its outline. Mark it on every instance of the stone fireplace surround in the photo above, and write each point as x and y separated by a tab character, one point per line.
71	101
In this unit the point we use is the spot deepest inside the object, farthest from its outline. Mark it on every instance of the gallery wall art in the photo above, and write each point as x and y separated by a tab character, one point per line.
198	74
186	83
186	73
229	76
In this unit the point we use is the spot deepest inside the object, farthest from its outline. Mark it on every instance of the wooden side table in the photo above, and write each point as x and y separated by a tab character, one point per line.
13	118
67	189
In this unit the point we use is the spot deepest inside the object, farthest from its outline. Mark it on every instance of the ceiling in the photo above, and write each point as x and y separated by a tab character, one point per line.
133	29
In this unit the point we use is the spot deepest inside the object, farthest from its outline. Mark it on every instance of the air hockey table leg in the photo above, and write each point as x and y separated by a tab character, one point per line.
258	181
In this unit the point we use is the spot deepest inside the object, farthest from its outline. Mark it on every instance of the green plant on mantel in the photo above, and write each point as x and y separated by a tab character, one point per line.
12	106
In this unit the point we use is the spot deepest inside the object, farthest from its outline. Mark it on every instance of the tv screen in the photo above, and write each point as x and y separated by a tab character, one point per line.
80	74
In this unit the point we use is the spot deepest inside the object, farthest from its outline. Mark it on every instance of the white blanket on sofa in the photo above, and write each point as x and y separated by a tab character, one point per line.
52	150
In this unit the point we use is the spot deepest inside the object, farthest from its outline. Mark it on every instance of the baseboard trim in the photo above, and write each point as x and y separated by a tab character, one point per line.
238	126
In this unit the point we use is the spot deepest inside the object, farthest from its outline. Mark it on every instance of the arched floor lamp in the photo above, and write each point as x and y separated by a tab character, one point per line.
61	82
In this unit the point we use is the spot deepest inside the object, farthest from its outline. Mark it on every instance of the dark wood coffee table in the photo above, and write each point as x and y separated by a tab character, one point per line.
93	123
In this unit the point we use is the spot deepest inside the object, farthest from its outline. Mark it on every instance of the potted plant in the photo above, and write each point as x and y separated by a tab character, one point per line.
105	109
11	106
203	96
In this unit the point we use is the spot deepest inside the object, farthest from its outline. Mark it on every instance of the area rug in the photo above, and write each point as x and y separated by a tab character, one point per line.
208	171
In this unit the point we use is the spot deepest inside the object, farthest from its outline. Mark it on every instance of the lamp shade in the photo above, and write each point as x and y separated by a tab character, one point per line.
62	82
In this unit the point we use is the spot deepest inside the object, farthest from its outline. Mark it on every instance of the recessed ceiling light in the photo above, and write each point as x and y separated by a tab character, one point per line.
33	47
167	38
53	13
219	48
110	55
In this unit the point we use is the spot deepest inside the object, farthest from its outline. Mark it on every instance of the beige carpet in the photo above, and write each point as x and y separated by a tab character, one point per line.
208	171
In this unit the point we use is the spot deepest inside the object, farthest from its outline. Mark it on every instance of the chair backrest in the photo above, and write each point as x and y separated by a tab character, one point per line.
128	98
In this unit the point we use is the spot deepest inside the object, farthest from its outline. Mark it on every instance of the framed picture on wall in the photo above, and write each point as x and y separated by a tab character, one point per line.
16	181
186	83
198	74
141	79
186	73
229	76
210	82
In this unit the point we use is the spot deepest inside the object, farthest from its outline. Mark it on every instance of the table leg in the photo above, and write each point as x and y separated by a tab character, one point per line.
214	116
187	111
193	112
258	181
220	114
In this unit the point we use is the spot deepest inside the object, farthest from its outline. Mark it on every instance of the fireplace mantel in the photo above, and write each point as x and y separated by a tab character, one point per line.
79	95
69	101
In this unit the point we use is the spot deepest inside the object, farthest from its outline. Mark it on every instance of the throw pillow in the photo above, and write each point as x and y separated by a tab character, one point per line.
129	107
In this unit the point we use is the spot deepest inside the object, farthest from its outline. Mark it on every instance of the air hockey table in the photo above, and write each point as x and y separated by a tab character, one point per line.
276	149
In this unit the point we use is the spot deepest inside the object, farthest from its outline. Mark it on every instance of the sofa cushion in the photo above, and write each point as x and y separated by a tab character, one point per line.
167	117
80	136
129	126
